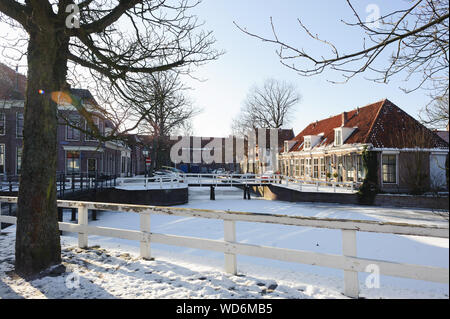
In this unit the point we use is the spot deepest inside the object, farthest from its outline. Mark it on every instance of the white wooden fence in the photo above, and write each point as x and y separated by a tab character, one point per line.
348	261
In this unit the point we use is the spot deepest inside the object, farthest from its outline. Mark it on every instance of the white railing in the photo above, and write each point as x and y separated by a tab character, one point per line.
239	179
300	183
165	181
348	261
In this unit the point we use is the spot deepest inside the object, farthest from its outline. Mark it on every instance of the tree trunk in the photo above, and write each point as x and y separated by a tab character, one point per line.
37	238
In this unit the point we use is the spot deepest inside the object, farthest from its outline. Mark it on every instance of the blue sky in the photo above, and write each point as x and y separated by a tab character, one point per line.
248	61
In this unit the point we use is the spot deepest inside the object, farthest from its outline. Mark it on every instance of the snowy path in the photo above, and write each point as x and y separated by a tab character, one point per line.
189	273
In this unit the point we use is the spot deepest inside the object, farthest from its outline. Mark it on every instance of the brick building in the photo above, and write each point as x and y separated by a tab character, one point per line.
77	152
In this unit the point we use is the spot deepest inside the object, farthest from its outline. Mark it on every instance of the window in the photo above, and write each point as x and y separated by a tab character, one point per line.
19	125
18	160
302	167
286	146
96	122
2	124
72	133
307	143
389	168
291	167
308	167
360	170
297	168
316	168
322	167
2	158
338	137
349	167
72	162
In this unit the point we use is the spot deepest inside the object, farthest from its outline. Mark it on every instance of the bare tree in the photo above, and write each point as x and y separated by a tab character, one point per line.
269	106
116	42
417	36
167	110
436	114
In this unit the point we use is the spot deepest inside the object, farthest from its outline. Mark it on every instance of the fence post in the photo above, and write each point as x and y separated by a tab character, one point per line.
145	251
230	238
212	194
82	220
351	283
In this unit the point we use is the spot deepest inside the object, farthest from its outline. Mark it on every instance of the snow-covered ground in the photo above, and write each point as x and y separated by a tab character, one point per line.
305	187
177	272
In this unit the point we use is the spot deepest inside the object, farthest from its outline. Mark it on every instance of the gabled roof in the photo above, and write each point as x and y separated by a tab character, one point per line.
382	124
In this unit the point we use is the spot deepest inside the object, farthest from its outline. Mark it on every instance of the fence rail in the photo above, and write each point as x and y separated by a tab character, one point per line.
348	261
238	179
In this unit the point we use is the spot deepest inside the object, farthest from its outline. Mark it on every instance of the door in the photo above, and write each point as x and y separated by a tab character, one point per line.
92	166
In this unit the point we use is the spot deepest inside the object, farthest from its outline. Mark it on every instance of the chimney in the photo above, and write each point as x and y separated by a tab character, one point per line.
344	118
17	78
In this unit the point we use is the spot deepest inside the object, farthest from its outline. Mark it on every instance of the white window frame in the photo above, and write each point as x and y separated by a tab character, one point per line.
338	142
307	143
316	163
396	167
322	168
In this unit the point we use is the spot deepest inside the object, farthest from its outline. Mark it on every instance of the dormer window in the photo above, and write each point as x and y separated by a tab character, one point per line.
341	134
307	143
311	141
286	146
338	137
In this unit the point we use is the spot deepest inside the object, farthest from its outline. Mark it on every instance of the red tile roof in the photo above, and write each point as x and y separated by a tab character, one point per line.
381	124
